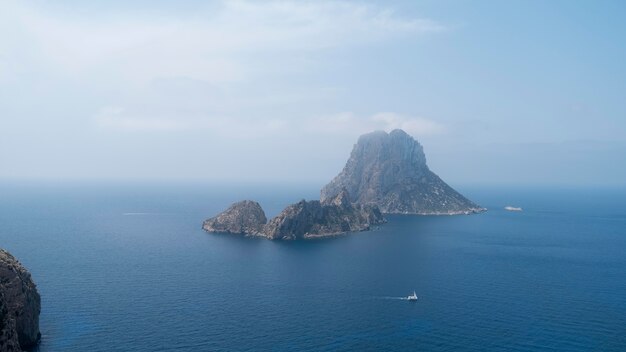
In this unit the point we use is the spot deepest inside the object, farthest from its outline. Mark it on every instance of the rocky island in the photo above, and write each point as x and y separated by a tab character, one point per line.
20	305
302	220
389	170
386	173
243	218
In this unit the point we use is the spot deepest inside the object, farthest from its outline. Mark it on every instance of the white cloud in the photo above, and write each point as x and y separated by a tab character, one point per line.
123	120
115	118
412	125
212	45
345	123
198	72
235	81
239	54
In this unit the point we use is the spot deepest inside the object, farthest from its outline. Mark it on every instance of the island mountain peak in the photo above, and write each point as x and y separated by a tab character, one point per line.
390	170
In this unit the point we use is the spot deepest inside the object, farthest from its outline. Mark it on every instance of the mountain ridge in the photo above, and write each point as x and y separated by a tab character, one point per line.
301	220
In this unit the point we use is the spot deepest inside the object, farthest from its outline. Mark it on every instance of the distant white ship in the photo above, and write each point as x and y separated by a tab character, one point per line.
412	297
510	208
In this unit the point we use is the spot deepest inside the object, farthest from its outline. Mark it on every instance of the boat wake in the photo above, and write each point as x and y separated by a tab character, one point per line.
392	298
411	298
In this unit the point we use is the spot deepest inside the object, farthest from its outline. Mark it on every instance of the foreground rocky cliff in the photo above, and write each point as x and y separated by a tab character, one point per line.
389	170
20	305
302	220
8	333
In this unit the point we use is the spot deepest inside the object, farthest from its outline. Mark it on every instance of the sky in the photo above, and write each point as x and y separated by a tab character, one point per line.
497	92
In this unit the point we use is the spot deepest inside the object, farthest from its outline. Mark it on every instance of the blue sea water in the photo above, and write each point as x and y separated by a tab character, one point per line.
124	267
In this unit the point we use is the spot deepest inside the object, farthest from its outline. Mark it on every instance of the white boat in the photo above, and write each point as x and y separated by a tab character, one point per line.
510	208
412	297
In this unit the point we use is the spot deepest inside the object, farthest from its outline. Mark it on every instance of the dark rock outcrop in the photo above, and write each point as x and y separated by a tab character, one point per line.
20	306
389	170
314	219
302	220
245	217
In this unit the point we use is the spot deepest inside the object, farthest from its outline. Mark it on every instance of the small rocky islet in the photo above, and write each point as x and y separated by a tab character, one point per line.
302	220
385	174
20	305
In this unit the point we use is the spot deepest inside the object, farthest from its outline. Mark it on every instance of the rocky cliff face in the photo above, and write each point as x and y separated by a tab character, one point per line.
389	170
8	334
245	217
302	220
19	307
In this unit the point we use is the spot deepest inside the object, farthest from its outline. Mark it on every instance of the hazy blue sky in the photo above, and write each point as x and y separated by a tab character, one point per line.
496	91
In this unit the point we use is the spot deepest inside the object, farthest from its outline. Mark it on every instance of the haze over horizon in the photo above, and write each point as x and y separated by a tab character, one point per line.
520	92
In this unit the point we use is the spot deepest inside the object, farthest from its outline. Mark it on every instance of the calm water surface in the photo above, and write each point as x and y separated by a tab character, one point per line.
127	268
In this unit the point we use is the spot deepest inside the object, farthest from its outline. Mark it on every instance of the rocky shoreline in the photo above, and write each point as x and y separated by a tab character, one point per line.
450	213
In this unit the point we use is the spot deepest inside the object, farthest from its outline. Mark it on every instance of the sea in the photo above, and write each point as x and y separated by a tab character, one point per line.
127	267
